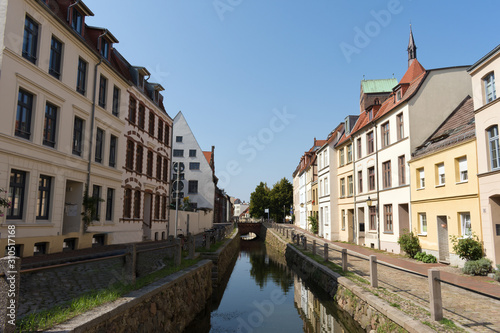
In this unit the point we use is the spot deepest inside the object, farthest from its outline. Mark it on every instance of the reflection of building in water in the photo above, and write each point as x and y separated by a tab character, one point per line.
317	318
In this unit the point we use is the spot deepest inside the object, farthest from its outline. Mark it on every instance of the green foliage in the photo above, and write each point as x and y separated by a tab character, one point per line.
497	273
278	200
313	222
89	213
477	267
259	201
468	248
425	257
409	243
4	202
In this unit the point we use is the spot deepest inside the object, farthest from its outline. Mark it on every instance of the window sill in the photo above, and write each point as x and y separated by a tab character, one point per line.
420	188
462	182
422	235
440	185
388	232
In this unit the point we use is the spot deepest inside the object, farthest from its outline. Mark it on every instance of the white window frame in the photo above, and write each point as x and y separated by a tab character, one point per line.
463	172
441	174
494	149
464	222
422	219
421	178
489	88
326	190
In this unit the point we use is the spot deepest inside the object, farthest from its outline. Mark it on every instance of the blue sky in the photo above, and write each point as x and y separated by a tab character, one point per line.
260	79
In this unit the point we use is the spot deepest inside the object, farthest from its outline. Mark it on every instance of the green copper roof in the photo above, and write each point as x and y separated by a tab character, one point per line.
376	86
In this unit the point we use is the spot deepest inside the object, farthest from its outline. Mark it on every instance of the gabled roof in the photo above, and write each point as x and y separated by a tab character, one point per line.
458	127
413	72
378	86
208	156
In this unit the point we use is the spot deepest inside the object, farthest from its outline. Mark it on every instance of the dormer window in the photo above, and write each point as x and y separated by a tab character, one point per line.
105	48
370	115
156	96
347	127
398	96
77	21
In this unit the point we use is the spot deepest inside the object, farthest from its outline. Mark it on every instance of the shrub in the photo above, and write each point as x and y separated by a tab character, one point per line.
313	222
477	267
497	273
409	243
425	257
419	256
468	248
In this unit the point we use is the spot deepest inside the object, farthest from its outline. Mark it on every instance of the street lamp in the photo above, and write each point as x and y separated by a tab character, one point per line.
369	202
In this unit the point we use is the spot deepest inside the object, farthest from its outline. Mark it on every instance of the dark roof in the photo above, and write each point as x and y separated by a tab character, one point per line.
484	58
458	127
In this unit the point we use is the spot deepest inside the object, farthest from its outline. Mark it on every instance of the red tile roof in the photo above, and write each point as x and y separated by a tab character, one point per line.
414	71
208	156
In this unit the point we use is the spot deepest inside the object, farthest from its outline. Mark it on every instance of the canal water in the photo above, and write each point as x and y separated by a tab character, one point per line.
262	294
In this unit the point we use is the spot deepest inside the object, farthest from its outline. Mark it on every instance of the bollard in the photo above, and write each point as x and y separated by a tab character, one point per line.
9	292
344	260
298	239
373	271
325	253
287	233
191	245
177	253
207	240
304	242
436	302
131	263
314	247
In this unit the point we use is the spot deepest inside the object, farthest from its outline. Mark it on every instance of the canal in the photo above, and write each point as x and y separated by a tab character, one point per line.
262	294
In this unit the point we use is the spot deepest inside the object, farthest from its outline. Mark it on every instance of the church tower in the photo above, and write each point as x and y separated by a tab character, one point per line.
412	49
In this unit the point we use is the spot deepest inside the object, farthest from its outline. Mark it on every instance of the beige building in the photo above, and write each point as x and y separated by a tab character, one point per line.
64	108
487	120
444	186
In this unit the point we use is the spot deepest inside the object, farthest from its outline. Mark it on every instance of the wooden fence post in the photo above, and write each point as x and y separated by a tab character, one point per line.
325	251
131	263
373	271
344	260
436	302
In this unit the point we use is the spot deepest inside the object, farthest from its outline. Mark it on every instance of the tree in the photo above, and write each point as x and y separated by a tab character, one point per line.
281	198
259	200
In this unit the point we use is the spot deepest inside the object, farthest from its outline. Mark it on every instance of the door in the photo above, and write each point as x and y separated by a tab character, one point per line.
350	225
404	218
444	251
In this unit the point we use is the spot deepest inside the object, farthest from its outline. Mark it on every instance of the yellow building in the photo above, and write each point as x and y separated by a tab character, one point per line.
444	185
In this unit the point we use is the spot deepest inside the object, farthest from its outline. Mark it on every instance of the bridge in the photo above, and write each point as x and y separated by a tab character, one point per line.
247	227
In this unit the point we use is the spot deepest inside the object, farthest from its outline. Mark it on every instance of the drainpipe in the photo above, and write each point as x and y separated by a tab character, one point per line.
377	207
69	9
92	116
354	224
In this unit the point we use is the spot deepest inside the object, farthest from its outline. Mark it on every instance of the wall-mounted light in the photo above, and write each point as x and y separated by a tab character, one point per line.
369	202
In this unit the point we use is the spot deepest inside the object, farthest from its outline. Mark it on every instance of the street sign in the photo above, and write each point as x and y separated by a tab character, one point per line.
178	165
266	210
178	185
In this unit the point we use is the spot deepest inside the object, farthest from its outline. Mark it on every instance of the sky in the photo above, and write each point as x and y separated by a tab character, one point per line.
260	79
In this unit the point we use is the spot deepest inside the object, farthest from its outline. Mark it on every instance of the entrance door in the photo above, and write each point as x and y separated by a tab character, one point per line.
361	224
404	218
146	224
444	251
72	220
350	225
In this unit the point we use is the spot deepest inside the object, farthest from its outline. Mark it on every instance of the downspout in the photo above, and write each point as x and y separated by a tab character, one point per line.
92	116
354	224
169	176
69	9
377	207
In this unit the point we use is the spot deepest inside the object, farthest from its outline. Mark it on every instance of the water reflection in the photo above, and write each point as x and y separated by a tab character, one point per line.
264	295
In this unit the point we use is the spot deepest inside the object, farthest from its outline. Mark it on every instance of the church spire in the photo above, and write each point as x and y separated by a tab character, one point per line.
412	49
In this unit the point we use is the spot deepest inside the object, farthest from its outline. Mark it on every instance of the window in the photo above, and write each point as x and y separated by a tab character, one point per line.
105	48
349	153
373	218
192	152
342	215
149	162
165	170
342	156
489	87
49	125
142	116
151	123
462	169
78	136
399	121
398	95
160	130
327	216
157	207
103	83
422	217
113	142
81	79
193	186
55	58
96	193
369	143
386	166
167	134
350	188
371	179
494	147
77	21
178	139
402	170
109	204
466	225
137	204
326	190
158	166
115	110
178	153
388	218
194	166
421	177
127	203
321	187
325	156
24	114
360	181
163	210
129	162
440	174
342	187
385	134
99	143
40	248
139	153
320	161
43	199
359	147
30	40
131	110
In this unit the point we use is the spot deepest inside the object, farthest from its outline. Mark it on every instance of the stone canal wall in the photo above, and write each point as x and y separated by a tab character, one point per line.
368	310
223	258
167	305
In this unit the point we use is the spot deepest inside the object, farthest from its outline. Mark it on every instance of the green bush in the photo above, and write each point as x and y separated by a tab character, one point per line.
313	222
477	267
468	248
409	243
419	256
425	257
497	273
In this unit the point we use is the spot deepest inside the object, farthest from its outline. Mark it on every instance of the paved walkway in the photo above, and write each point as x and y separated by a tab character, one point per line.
473	311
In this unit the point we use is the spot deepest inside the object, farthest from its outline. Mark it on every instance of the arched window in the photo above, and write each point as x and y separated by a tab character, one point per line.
489	87
493	147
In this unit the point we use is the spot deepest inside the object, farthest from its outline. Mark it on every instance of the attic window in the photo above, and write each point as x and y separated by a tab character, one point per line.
77	21
141	80
376	101
156	95
398	96
370	115
347	128
105	45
